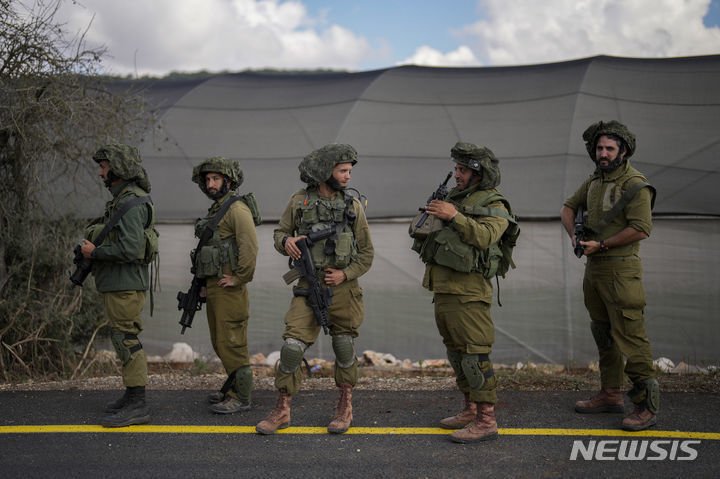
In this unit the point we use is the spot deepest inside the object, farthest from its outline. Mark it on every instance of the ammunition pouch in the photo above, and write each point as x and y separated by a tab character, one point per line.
432	223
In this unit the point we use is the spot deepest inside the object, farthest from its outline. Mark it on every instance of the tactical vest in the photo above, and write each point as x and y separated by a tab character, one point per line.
150	249
317	214
216	254
446	248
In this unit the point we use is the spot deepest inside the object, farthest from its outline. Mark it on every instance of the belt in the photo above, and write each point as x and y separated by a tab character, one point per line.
611	258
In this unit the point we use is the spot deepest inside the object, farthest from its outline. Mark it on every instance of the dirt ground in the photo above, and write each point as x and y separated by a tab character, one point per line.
178	376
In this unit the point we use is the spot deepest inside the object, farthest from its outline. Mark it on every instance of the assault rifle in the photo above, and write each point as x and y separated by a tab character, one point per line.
438	194
580	233
317	298
190	303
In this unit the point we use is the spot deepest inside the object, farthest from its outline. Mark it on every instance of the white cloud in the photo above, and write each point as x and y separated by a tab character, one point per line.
155	37
521	32
428	56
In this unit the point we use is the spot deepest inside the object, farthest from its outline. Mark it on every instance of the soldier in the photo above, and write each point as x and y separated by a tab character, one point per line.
472	218
120	269
618	201
226	263
340	260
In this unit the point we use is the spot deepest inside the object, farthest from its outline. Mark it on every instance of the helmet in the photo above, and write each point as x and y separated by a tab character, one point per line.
480	159
317	167
217	164
125	163
614	128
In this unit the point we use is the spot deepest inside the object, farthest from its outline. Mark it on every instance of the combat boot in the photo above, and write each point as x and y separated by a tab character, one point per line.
482	428
134	412
343	411
641	418
118	404
216	397
462	418
606	400
230	405
279	418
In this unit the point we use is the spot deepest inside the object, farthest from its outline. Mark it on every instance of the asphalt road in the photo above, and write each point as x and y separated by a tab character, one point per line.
394	434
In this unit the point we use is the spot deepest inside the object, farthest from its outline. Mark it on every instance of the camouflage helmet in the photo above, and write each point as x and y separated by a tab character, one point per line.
612	127
217	164
125	163
317	167
480	159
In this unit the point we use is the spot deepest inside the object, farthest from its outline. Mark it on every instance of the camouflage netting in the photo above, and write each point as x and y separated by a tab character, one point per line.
125	162
318	165
478	158
612	127
218	164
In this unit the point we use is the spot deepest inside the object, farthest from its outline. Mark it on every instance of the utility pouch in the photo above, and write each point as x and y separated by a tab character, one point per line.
343	249
453	253
208	262
432	223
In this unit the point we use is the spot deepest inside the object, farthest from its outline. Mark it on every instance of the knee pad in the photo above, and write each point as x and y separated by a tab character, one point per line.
243	383
455	358
472	371
601	334
291	355
343	346
652	395
124	352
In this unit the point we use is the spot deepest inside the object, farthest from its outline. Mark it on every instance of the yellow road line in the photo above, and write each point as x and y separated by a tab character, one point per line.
71	428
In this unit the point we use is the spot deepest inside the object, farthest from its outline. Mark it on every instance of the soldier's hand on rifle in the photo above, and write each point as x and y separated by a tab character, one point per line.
87	248
442	209
333	277
290	248
226	281
203	292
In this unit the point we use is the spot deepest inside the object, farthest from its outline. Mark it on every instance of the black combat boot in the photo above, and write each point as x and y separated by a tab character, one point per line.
134	412
118	404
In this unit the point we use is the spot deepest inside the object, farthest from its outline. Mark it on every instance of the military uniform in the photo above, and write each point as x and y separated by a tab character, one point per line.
121	274
232	251
324	206
612	285
456	253
617	197
346	310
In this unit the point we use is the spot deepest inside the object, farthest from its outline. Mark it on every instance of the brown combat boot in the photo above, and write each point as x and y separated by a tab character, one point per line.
462	418
279	418
641	418
482	428
607	400
343	411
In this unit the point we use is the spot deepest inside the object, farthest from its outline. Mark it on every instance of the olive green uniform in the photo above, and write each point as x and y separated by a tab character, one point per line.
612	286
228	309
462	300
122	277
346	311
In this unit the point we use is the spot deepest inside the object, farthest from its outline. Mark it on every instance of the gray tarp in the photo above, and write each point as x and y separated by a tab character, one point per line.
403	122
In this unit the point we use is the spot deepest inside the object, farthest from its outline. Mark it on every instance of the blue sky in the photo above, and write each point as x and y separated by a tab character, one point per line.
158	36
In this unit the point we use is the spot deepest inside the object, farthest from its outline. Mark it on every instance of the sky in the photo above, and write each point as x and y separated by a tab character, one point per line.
156	37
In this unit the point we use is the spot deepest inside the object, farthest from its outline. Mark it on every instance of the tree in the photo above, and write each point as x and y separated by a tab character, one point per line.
55	111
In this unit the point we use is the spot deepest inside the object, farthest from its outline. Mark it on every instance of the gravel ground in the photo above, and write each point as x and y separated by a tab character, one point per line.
180	377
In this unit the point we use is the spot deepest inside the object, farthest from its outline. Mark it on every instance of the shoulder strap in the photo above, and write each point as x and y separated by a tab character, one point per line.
138	200
213	223
479	208
622	203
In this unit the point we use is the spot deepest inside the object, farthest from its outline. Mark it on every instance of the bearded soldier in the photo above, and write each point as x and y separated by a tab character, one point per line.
226	263
472	218
618	201
339	260
120	269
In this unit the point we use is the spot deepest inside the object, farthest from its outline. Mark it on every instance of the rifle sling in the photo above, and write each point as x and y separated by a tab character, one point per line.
214	221
138	200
